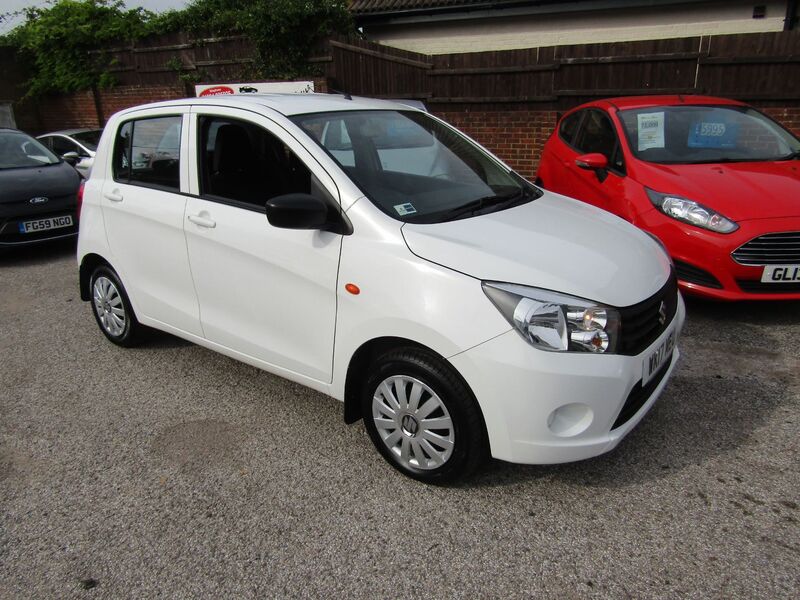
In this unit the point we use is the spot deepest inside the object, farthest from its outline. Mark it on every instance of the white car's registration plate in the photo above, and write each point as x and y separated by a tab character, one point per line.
780	273
658	357
45	224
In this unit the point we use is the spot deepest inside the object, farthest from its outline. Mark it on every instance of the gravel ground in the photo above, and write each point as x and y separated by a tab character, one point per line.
171	471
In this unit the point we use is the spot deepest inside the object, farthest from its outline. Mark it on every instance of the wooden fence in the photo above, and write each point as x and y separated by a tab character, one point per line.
763	67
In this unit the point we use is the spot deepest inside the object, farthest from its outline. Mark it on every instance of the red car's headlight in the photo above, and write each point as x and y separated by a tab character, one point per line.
691	212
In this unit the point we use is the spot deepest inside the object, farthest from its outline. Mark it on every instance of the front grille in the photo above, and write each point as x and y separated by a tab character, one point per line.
691	274
641	323
639	395
770	249
756	287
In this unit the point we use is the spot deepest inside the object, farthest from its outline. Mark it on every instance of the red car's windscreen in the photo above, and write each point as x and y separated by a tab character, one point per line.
705	134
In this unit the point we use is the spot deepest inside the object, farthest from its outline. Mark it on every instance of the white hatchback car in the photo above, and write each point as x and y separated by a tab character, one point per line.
372	252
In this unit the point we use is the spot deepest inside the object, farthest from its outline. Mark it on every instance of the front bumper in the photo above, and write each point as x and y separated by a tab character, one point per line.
711	252
520	388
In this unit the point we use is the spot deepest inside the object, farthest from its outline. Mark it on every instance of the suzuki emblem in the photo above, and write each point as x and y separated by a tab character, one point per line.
662	313
410	425
39	200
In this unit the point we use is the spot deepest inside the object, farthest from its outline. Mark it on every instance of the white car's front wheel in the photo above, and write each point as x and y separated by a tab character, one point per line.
422	417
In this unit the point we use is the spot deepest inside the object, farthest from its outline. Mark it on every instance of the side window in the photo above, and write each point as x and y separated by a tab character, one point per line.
597	135
62	145
147	152
243	162
47	142
568	127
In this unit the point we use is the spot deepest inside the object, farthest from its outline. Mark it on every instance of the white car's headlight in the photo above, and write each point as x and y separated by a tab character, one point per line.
556	322
689	211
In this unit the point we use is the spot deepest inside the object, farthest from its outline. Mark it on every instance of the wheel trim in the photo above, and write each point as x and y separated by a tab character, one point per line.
413	423
108	306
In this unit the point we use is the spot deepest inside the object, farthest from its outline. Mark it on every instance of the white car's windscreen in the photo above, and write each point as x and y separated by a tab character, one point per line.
413	167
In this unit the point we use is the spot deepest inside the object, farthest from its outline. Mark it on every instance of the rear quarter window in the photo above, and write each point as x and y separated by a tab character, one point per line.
569	127
147	152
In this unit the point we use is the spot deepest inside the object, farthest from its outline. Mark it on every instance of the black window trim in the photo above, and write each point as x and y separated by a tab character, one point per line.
579	129
334	202
151	186
582	112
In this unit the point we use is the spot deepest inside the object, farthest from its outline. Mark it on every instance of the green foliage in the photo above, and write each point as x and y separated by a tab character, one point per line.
283	31
57	39
61	40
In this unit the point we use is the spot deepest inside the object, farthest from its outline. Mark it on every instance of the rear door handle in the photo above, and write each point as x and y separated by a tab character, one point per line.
202	221
114	196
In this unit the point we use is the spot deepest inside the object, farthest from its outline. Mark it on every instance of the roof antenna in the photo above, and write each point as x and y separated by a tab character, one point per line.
346	95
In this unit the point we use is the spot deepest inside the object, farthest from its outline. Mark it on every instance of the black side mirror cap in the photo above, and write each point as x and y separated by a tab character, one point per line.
304	211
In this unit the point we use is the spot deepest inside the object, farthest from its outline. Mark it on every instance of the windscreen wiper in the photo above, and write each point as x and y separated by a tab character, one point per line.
481	203
794	155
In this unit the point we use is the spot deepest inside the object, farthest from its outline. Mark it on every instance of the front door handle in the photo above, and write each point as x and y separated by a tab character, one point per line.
114	196
202	221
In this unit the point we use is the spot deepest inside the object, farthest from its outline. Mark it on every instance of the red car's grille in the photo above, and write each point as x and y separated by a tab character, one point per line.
770	249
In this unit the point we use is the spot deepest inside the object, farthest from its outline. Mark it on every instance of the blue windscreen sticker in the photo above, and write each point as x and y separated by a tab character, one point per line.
713	134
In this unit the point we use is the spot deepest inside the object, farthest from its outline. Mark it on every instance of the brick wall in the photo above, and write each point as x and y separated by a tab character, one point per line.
788	117
80	110
515	136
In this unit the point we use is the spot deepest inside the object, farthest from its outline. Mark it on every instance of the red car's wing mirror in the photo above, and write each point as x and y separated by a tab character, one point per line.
593	161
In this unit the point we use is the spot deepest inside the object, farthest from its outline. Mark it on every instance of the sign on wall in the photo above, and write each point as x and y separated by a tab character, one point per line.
272	87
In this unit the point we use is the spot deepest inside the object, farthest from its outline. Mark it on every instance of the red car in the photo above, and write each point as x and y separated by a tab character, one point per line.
715	180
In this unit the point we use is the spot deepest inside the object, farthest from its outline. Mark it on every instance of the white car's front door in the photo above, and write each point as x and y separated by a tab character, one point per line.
265	292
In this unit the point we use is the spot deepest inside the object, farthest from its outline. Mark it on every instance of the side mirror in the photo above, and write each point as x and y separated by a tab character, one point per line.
71	157
303	211
594	162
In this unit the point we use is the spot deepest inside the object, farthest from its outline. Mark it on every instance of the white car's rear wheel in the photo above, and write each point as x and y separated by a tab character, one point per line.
112	308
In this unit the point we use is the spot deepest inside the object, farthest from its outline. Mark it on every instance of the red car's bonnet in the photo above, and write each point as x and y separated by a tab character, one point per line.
740	191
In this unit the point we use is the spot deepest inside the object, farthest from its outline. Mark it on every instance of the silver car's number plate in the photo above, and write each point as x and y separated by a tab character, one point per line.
780	273
45	224
658	357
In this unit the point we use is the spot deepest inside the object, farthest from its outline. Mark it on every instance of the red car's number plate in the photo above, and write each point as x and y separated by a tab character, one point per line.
780	274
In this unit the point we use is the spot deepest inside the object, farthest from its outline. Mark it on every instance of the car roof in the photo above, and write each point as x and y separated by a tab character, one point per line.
70	131
626	102
285	104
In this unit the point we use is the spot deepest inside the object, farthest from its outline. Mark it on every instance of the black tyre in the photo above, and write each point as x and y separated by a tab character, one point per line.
112	309
422	417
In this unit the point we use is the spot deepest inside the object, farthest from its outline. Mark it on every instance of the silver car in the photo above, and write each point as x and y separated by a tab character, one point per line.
76	146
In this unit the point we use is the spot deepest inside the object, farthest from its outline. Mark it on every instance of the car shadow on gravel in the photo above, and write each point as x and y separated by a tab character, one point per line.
36	254
763	313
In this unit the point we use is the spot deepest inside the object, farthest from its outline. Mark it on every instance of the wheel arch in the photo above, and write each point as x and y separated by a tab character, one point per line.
368	352
88	264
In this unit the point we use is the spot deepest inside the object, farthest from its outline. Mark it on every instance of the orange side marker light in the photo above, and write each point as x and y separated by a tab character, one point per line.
352	288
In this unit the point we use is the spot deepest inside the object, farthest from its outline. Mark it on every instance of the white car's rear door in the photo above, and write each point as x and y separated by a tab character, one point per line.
144	208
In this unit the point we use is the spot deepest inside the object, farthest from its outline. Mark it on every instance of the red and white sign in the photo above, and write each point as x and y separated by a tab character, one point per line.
272	87
217	90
